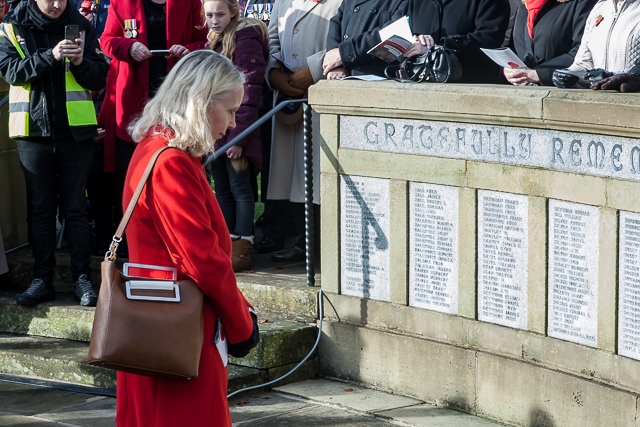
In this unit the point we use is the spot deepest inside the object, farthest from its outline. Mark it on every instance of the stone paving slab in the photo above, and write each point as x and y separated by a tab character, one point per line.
431	416
27	405
347	396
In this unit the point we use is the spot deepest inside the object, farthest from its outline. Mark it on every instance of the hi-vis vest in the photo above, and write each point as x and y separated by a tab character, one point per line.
80	110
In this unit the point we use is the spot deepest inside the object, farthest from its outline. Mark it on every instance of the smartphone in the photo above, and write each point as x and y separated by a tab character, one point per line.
72	32
162	52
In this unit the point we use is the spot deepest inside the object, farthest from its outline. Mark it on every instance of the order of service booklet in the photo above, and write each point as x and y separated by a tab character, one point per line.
504	57
396	39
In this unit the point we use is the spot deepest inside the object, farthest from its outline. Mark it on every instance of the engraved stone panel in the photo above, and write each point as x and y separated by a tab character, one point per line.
600	155
364	232
573	272
433	247
629	286
503	264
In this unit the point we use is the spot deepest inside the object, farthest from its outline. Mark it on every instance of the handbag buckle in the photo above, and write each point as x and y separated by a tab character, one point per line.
152	285
128	265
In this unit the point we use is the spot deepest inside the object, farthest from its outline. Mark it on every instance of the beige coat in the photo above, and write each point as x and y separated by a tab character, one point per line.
297	35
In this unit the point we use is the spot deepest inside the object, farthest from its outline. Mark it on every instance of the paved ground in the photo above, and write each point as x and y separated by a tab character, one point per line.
312	403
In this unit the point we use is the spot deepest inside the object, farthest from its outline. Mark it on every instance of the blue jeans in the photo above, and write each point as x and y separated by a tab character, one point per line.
235	196
57	170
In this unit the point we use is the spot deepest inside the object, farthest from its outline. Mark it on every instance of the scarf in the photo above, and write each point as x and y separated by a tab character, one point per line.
45	24
533	7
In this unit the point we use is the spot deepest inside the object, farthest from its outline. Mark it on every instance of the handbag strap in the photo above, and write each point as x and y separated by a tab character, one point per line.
117	238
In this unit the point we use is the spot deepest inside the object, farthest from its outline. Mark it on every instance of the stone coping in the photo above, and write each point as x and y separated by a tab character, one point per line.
577	110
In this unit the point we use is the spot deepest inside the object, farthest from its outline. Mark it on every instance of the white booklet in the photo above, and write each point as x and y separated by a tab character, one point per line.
396	39
504	57
365	77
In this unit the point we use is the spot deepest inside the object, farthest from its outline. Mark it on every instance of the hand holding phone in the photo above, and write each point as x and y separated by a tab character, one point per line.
160	52
71	33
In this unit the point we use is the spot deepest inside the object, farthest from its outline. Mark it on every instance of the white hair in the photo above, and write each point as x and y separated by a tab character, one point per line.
197	82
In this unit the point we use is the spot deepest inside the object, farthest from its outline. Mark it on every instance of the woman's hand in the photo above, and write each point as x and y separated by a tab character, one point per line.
520	76
234	152
337	73
421	44
331	60
139	52
178	51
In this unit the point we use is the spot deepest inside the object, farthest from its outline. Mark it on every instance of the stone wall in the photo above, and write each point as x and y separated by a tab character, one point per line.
488	250
13	207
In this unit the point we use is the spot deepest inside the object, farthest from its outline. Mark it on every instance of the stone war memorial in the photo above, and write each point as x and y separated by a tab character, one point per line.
481	247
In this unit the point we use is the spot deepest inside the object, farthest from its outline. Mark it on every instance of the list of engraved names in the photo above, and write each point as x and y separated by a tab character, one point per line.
503	258
629	293
433	242
573	272
364	245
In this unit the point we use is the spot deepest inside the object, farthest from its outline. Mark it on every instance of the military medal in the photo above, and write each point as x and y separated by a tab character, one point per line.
127	28
134	29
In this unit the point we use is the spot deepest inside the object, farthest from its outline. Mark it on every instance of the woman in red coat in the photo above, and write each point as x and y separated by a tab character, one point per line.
178	223
133	28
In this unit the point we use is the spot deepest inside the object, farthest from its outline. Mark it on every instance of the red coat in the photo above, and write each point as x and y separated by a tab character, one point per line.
178	222
128	80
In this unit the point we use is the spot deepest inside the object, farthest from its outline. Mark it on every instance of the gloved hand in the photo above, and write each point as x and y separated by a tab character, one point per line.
563	79
302	78
282	81
597	74
243	348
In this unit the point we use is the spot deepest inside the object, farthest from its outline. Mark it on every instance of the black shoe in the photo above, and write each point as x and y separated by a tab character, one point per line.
268	245
40	290
83	291
294	254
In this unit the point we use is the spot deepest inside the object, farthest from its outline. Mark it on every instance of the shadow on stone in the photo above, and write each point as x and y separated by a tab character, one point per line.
540	418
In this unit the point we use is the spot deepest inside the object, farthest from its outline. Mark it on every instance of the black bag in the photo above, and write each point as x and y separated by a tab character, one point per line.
439	65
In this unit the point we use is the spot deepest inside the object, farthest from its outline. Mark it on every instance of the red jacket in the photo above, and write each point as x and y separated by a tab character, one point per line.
178	223
128	80
250	57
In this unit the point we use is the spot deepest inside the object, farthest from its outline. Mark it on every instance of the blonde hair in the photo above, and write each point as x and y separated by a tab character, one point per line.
197	82
228	36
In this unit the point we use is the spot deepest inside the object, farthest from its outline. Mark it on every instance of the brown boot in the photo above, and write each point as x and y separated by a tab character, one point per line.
241	256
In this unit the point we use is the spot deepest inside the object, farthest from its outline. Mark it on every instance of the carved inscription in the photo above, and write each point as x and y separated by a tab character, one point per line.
364	245
600	155
433	247
503	258
573	272
629	282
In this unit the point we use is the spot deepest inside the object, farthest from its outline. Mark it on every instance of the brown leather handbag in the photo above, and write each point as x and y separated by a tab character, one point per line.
146	326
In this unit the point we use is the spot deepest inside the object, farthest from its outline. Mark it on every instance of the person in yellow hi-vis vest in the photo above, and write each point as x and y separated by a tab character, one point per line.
53	121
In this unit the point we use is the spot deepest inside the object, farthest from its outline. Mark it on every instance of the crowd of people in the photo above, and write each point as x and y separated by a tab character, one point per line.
127	48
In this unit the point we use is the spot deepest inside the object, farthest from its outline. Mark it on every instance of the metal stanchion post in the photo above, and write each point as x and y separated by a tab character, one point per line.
308	195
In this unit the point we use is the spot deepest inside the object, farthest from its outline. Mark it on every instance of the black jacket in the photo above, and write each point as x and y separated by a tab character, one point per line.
466	26
48	115
557	32
354	31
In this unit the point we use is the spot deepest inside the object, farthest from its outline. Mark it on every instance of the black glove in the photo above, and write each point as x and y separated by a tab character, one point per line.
243	348
597	75
563	79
